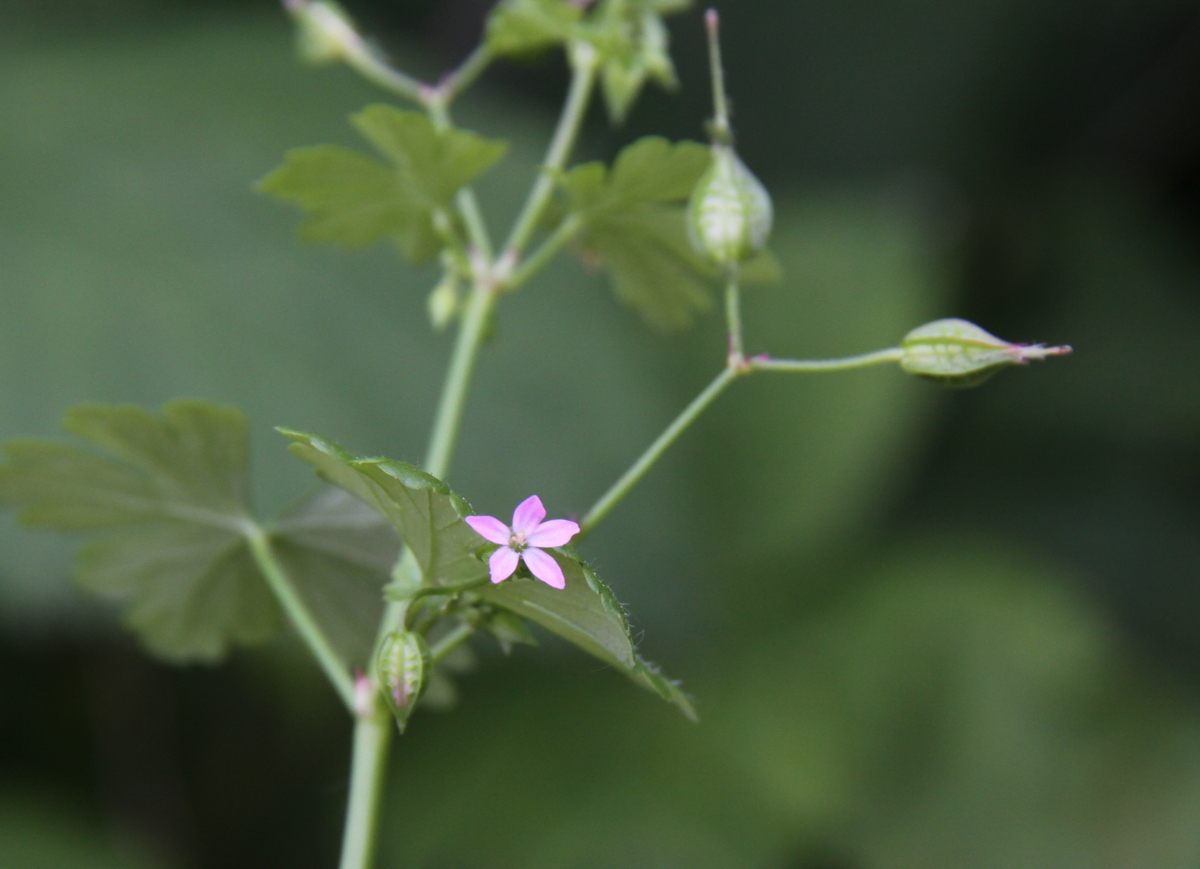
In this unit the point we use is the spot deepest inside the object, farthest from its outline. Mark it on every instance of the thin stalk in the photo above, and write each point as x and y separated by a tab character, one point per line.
454	83
439	591
298	614
363	59
372	738
656	450
541	257
722	132
733	315
848	363
458	381
583	77
447	644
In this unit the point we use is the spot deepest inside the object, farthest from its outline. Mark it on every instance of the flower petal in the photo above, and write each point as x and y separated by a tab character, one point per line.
544	567
528	515
502	563
489	528
556	532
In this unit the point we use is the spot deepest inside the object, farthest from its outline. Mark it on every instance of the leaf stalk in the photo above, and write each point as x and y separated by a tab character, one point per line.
298	613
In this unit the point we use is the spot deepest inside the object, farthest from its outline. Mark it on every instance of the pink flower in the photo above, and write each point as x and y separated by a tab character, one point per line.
523	541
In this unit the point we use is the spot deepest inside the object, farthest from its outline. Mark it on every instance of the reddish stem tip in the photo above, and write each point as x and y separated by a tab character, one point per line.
712	20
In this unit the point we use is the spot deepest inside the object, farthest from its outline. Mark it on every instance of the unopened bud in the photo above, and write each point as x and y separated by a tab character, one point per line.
443	302
404	670
730	213
960	354
326	33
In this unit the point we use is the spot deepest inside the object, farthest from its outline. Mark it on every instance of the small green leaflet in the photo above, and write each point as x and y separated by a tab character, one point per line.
164	500
354	200
518	27
635	228
634	45
429	517
629	35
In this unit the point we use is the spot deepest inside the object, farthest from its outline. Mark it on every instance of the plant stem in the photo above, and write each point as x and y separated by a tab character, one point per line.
538	260
372	737
583	77
721	130
363	60
656	450
454	83
447	644
848	363
298	614
458	381
733	315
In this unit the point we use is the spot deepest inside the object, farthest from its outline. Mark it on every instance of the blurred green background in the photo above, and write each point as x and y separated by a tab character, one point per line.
924	629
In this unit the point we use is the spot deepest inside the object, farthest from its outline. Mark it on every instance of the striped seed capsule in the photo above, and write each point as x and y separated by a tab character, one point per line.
404	670
730	213
960	354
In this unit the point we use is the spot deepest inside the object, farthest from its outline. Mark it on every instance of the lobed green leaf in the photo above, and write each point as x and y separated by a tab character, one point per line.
354	200
351	200
634	229
651	170
167	496
165	501
430	519
651	264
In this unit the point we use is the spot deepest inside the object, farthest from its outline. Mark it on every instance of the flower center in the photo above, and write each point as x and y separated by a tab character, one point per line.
517	541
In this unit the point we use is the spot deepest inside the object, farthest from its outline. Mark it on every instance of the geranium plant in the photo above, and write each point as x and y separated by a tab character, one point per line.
164	497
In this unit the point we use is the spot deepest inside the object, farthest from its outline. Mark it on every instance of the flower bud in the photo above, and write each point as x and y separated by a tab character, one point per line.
404	670
730	213
960	354
443	302
326	34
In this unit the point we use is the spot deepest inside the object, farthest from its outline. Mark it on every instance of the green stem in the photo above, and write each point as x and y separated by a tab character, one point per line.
297	612
458	381
656	450
583	77
722	132
733	315
468	71
848	363
372	737
370	740
447	644
540	258
374	69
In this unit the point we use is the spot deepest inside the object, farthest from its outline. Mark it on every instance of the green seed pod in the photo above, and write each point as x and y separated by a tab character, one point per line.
958	353
730	213
404	670
325	32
